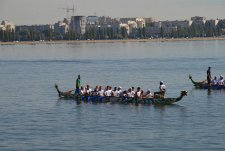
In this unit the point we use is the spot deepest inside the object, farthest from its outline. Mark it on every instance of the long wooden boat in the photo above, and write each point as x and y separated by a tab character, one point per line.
122	100
204	85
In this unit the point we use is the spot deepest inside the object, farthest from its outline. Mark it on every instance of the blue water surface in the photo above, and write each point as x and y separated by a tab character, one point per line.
33	118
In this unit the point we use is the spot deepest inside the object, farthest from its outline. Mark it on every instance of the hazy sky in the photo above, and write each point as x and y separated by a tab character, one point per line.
48	12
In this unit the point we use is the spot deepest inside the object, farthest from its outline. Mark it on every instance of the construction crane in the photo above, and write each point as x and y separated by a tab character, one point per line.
68	9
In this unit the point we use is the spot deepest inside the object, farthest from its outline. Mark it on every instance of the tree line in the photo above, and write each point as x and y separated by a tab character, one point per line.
98	33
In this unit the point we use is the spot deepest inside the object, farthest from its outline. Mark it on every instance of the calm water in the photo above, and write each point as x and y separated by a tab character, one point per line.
32	117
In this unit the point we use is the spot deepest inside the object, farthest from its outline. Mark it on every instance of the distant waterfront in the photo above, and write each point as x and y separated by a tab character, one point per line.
112	41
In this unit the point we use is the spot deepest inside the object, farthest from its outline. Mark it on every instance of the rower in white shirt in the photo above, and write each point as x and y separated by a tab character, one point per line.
100	91
88	90
138	93
221	80
82	91
115	92
108	91
129	93
133	91
214	81
120	92
148	94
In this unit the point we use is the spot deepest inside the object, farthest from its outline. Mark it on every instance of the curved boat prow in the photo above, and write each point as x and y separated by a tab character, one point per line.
182	94
198	84
57	88
195	83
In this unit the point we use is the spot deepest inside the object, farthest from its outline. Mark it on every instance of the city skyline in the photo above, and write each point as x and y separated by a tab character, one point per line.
49	12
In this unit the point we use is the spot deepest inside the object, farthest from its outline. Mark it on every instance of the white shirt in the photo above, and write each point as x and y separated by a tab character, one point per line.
88	91
129	95
214	82
149	95
83	91
101	93
221	82
139	94
108	93
162	88
115	93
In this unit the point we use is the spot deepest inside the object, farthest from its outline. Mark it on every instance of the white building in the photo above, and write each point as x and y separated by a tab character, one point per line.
2	27
126	27
7	25
132	26
140	22
92	20
150	20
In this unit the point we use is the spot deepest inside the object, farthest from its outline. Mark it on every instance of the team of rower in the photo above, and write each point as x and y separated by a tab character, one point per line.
219	81
214	81
117	91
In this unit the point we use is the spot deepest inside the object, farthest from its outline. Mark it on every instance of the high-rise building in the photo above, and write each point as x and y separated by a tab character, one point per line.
78	24
92	20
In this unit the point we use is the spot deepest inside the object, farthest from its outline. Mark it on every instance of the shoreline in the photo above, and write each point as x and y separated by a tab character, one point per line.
112	41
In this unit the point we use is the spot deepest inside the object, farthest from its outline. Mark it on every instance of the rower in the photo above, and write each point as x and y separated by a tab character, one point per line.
214	81
148	94
108	91
138	93
120	92
133	91
221	80
100	94
82	90
142	93
100	91
124	94
115	92
129	93
96	90
88	90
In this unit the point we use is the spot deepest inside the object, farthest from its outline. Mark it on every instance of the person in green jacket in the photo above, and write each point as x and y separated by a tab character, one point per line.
78	85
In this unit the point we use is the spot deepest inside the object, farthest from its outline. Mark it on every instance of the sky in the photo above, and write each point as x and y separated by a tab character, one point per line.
30	12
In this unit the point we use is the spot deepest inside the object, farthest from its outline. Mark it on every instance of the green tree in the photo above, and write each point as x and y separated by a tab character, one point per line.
162	32
124	32
144	32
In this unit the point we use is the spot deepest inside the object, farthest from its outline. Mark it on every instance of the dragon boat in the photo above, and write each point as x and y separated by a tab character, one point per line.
122	100
205	85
